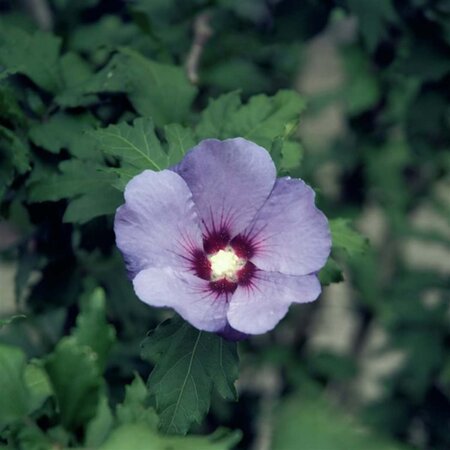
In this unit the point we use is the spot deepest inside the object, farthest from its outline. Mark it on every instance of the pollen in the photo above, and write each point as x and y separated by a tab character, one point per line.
225	264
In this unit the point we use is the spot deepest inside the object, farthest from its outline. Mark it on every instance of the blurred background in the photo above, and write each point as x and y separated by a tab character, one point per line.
367	366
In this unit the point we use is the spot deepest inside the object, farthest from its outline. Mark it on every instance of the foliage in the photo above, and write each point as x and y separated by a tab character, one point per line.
105	95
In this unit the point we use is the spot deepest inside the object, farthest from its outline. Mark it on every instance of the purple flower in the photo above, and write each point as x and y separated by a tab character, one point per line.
222	241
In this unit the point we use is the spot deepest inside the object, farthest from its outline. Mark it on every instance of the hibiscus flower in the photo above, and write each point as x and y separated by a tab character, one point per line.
221	240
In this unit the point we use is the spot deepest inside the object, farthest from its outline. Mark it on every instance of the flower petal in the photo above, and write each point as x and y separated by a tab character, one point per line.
289	234
229	180
257	308
187	294
158	224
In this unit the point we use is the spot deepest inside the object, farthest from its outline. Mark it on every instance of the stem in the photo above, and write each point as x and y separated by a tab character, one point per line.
202	33
267	383
41	13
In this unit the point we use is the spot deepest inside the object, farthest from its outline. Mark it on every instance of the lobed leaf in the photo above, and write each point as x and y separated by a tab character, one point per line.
34	55
268	121
64	131
264	118
136	145
90	189
179	140
188	364
134	408
216	114
261	120
161	91
345	238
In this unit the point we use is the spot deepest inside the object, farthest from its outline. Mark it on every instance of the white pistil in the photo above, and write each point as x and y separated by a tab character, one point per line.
225	264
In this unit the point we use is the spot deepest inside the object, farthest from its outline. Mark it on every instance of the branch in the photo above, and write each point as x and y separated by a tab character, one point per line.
202	33
267	383
41	13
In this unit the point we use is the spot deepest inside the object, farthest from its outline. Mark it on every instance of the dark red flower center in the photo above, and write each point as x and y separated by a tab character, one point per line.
224	262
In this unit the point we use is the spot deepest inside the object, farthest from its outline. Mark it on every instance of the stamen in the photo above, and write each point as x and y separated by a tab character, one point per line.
225	264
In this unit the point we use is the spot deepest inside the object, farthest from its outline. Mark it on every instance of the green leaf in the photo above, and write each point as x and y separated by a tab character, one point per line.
188	364
215	116
135	407
160	91
424	59
136	144
14	404
64	131
75	177
34	55
362	90
100	426
92	329
38	384
310	422
75	378
31	437
93	204
286	154
14	157
331	273
345	238
374	18
90	188
179	140
9	106
291	156
261	120
107	32
140	437
157	90
74	368
75	72
139	148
